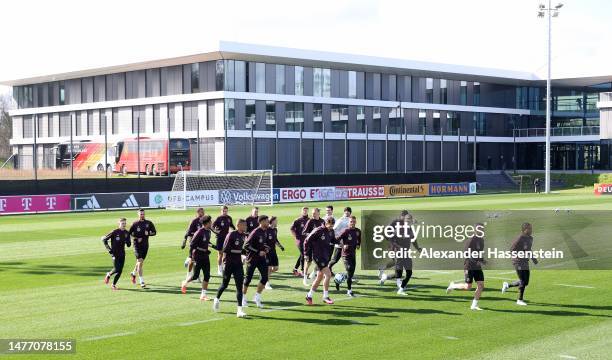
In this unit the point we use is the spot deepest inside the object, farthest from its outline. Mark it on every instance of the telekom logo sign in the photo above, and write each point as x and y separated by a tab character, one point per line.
51	202
26	203
34	203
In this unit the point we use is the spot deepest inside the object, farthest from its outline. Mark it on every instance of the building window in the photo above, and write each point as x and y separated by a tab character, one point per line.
219	75
156	118
195	78
77	124
326	83
260	77
317	82
452	123
90	122
294	116
240	76
299	80
429	90
115	121
352	84
171	118
270	115
250	114
280	79
210	114
64	124
138	120
376	122
102	122
153	86
339	118
360	119
40	125
422	121
62	93
190	116
229	75
317	117
479	124
436	123
476	94
392	87
463	93
230	114
443	92
28	127
395	121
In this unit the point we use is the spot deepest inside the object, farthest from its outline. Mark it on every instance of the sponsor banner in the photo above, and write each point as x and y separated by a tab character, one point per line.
449	189
307	194
405	190
276	195
360	192
161	199
83	202
237	196
473	188
34	203
603	189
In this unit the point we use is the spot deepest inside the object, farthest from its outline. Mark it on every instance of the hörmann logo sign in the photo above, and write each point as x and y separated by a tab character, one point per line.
406	190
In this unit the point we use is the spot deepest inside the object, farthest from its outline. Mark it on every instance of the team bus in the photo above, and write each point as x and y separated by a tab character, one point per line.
156	157
86	156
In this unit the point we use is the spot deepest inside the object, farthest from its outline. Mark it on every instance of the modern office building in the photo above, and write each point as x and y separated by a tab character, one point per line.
297	111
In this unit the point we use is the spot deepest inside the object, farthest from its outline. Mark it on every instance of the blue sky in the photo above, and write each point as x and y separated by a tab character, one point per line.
44	37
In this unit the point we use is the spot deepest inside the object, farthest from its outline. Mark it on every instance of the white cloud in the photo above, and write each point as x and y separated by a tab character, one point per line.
43	37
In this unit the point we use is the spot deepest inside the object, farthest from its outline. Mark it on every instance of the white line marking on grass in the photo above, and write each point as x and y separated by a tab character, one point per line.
189	323
451	337
577	286
507	272
567	357
101	337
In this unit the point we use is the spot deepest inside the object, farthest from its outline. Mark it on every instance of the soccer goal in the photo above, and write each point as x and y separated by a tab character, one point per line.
239	187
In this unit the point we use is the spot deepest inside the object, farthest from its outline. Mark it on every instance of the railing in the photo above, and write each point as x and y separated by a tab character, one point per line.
558	131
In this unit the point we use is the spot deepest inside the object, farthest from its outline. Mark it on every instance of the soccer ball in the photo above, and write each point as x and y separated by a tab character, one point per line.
339	278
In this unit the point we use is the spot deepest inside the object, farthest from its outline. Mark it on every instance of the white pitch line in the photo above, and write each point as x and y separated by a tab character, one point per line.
507	272
577	286
451	337
198	322
567	357
108	336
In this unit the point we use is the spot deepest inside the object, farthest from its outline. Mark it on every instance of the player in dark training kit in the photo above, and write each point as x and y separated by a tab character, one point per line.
194	226
257	250
200	251
523	242
472	270
221	227
297	230
119	238
349	241
140	231
402	243
272	242
314	222
232	265
252	221
317	246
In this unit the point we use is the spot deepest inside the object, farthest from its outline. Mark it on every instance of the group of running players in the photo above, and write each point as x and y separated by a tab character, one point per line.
321	241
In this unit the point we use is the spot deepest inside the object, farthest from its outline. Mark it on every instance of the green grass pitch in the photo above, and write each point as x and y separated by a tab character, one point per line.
52	266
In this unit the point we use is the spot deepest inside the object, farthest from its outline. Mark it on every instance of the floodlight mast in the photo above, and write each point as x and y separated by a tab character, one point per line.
551	12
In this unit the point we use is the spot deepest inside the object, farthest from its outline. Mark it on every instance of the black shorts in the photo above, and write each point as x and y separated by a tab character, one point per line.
141	253
201	265
523	276
473	275
219	243
272	258
321	263
403	264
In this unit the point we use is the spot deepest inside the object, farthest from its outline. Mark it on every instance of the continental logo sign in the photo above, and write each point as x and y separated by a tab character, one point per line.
402	190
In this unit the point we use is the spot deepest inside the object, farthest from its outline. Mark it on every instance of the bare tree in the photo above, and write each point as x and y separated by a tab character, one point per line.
6	103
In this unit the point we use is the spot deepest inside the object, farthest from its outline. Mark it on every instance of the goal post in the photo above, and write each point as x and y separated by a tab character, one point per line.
234	187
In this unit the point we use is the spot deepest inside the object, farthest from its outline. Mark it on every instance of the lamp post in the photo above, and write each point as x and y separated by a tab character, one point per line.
550	12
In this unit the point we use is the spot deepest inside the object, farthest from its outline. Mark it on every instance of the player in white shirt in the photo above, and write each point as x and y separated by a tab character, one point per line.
341	224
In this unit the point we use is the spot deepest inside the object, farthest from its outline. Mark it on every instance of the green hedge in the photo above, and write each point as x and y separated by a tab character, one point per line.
572	180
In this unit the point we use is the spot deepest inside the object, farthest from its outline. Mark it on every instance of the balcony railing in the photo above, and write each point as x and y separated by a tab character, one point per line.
558	131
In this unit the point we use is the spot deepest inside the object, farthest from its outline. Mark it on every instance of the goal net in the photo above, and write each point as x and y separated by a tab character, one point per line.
201	188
